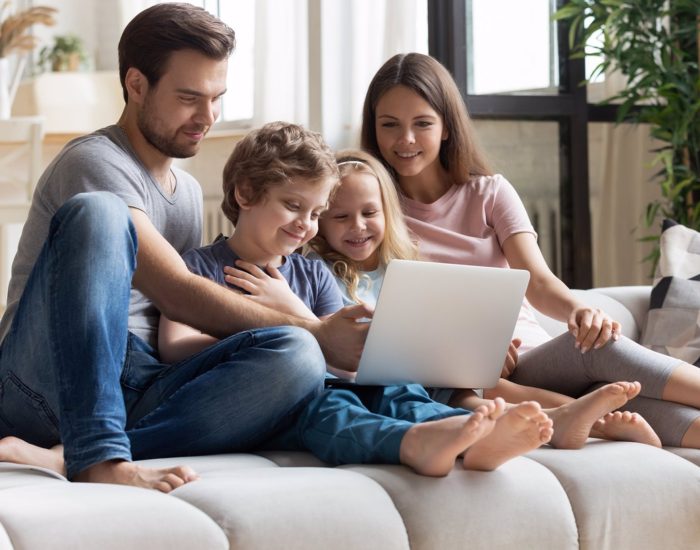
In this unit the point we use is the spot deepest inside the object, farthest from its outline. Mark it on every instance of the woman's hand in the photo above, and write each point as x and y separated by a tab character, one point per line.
592	328
268	288
511	359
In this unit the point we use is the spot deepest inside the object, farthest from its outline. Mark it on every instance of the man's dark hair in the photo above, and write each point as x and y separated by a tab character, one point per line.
153	35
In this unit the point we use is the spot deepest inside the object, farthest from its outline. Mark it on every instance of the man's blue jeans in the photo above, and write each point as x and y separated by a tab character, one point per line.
71	372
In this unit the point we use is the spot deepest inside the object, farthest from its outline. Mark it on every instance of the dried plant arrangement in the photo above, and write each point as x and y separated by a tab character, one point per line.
14	28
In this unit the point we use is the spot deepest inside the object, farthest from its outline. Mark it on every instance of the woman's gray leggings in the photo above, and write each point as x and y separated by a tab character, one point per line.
558	366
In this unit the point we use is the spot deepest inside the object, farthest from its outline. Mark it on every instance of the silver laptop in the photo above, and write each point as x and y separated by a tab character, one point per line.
442	325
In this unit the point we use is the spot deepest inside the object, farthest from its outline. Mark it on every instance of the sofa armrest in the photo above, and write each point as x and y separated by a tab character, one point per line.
628	305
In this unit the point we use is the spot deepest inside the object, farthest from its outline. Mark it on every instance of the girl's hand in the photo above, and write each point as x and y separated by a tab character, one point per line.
268	288
592	328
511	359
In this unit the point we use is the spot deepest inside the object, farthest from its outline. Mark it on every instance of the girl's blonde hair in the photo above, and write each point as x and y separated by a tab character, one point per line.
397	243
460	153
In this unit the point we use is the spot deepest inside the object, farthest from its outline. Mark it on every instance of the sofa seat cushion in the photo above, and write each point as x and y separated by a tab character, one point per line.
46	512
293	508
519	505
628	495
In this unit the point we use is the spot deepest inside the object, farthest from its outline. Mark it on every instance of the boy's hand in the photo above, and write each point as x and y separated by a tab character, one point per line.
267	288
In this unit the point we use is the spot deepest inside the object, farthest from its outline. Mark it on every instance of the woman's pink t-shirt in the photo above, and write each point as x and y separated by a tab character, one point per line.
468	225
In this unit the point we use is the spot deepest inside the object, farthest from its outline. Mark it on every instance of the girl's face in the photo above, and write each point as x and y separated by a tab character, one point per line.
409	133
353	225
283	220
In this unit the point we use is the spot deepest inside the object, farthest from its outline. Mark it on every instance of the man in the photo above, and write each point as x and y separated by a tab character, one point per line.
77	362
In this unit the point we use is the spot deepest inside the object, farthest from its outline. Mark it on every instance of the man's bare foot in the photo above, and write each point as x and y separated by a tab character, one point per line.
522	428
573	421
13	449
625	426
122	472
430	448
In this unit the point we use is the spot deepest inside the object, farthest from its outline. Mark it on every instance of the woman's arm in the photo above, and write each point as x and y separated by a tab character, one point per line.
591	327
177	341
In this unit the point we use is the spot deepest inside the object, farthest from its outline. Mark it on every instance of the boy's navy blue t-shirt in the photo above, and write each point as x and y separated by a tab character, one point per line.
309	279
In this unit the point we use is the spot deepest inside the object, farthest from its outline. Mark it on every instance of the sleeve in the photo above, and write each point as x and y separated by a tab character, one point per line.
507	213
97	164
329	299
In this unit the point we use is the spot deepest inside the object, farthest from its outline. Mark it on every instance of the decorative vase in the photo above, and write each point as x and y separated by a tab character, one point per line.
5	84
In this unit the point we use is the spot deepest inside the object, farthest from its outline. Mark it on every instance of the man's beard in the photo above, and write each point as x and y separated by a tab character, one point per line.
162	143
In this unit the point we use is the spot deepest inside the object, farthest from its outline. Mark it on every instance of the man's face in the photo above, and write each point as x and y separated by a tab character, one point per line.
179	110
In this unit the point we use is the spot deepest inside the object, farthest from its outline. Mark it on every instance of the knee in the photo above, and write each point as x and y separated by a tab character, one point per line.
91	220
97	213
304	359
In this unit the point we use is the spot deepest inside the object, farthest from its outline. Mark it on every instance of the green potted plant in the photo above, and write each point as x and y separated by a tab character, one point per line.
66	54
655	44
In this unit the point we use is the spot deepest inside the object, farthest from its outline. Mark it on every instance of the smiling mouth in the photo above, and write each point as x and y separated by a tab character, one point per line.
293	235
407	155
358	242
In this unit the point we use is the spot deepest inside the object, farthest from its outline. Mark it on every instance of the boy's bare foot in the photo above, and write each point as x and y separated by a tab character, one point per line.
123	472
13	449
522	428
430	448
625	426
573	421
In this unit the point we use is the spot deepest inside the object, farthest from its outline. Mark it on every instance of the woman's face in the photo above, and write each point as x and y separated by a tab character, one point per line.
409	133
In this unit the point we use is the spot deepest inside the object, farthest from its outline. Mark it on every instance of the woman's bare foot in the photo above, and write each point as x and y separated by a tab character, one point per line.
122	472
522	428
573	422
625	426
430	448
13	449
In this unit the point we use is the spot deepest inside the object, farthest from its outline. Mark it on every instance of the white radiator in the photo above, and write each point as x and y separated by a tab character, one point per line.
214	221
545	216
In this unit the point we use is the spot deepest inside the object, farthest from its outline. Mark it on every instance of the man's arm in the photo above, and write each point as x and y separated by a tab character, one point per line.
161	274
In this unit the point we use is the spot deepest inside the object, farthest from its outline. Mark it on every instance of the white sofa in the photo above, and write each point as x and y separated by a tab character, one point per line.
607	495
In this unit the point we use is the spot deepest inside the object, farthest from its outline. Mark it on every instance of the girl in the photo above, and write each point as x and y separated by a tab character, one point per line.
415	121
363	229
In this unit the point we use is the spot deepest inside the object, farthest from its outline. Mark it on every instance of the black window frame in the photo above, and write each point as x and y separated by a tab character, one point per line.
448	42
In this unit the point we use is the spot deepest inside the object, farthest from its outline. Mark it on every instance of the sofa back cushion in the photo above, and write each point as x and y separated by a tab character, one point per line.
673	322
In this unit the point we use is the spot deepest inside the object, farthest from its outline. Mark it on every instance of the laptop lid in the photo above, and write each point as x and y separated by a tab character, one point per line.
442	325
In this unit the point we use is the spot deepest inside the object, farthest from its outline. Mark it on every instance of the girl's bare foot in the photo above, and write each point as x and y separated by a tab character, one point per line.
430	448
122	472
625	426
13	449
573	422
522	428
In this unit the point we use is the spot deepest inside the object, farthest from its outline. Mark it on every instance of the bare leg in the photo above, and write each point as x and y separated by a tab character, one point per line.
683	386
625	426
127	473
515	393
431	448
523	428
13	449
573	422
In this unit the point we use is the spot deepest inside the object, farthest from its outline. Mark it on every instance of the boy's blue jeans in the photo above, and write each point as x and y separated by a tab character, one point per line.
71	372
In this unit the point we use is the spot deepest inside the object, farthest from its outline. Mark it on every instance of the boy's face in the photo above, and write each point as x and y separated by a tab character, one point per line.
285	218
179	110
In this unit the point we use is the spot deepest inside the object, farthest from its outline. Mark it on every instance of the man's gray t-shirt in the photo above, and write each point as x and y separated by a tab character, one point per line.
105	161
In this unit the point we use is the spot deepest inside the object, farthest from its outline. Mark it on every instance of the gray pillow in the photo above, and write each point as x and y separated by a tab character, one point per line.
673	323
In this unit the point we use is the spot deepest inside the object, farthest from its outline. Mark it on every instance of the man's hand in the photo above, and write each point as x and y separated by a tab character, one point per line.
342	337
511	359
